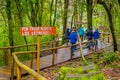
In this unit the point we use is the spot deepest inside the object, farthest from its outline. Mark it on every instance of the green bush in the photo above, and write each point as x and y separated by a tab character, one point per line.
80	73
110	57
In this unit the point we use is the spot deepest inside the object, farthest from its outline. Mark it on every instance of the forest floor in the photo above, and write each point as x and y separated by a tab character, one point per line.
110	70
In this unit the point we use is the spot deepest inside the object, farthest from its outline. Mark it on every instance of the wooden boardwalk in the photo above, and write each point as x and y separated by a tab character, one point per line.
46	61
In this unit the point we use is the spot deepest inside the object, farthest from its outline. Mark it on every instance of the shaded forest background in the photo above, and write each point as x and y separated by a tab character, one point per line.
102	14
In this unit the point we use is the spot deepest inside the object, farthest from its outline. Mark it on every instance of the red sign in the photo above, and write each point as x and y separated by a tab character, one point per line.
31	31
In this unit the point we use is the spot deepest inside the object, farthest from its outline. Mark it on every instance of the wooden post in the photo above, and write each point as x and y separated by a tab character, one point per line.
18	73
32	56
108	38
56	42
53	56
71	52
52	46
38	53
6	57
95	41
36	50
12	69
103	36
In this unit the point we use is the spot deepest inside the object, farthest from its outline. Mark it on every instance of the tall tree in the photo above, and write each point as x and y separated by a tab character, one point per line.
10	23
32	8
75	11
41	12
66	3
51	9
119	2
89	12
18	6
108	8
81	9
54	20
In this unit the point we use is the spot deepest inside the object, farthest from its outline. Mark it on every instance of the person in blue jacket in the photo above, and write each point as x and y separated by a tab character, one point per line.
81	33
73	39
96	35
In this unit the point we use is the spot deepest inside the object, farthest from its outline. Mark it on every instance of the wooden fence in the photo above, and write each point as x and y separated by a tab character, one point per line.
53	49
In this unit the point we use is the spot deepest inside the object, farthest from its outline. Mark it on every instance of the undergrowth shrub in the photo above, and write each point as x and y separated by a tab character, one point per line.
111	56
81	73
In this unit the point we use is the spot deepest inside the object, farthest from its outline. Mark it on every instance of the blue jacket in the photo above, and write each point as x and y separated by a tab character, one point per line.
81	31
96	34
73	37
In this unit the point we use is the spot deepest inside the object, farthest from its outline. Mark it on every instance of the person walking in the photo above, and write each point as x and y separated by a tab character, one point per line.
73	39
96	35
89	35
67	34
81	33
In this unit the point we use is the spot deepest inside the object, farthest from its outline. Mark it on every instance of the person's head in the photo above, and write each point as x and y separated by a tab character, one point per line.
73	29
67	28
90	28
96	29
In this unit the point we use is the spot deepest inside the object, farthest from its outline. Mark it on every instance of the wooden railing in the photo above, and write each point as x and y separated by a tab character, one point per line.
26	68
53	49
7	52
7	49
32	72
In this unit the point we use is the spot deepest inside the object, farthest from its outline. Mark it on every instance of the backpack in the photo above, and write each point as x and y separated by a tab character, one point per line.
96	35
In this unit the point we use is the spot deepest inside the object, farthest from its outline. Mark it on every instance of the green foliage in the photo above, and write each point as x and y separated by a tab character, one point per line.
110	57
81	73
97	77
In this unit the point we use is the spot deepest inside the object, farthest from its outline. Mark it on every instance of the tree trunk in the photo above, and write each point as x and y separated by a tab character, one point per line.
112	29
89	12
76	18
54	20
20	18
51	6
81	8
32	19
41	12
72	19
119	2
109	12
32	9
66	3
10	24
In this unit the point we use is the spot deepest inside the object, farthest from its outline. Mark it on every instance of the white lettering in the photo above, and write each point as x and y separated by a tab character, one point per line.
24	28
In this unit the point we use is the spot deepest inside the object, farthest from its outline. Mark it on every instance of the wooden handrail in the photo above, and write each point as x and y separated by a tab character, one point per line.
20	46
17	46
34	44
29	70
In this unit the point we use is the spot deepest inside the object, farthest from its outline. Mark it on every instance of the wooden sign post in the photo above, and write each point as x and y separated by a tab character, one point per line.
38	54
32	31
